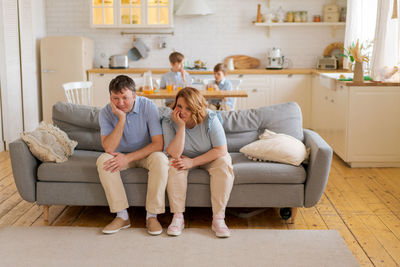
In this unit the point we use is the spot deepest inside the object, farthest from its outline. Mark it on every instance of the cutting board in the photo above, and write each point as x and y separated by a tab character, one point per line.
243	62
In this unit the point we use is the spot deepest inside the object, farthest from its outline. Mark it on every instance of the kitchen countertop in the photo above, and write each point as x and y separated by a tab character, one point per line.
335	78
248	71
238	71
369	83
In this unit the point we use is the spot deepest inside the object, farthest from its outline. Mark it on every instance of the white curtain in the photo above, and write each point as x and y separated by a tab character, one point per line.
387	39
360	22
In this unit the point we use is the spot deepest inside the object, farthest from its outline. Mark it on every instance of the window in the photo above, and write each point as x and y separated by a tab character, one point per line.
361	22
372	20
132	13
103	12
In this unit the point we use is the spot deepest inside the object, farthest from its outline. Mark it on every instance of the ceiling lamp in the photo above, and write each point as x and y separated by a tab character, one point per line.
193	7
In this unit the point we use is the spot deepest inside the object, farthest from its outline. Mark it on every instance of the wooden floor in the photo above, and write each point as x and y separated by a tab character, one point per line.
362	204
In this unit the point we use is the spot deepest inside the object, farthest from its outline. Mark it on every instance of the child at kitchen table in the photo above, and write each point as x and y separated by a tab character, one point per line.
177	76
220	83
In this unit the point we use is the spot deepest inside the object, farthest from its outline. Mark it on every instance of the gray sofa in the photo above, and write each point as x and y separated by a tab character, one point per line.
257	184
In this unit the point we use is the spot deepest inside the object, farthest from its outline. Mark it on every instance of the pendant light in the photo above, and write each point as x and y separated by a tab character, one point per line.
193	7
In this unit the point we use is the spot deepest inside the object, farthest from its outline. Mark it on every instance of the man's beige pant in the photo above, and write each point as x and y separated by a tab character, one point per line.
221	182
157	165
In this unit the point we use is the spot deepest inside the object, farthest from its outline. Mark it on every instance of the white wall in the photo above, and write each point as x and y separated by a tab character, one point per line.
211	38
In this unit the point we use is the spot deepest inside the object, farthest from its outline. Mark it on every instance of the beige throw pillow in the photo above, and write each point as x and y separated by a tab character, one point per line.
49	143
276	147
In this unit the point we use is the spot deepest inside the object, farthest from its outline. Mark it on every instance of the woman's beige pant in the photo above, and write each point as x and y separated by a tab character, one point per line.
221	182
157	165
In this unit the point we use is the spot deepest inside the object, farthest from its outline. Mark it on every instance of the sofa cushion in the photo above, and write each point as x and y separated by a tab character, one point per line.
81	123
283	118
49	144
81	167
277	148
244	126
254	172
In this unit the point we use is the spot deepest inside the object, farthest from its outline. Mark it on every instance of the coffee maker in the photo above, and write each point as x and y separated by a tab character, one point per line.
275	59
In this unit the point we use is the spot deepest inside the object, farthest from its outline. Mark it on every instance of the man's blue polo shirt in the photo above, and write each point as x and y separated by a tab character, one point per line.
141	124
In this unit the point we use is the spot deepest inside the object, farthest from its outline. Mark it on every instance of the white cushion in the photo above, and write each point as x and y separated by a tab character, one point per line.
276	147
49	143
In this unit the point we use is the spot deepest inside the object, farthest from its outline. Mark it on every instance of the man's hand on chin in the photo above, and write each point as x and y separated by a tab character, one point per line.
116	163
117	112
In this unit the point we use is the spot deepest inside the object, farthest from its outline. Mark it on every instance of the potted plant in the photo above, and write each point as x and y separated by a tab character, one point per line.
357	54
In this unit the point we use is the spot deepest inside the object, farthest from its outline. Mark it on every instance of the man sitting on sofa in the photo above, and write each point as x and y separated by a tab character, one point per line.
131	136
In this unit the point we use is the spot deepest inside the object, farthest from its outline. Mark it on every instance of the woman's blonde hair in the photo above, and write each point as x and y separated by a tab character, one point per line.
195	101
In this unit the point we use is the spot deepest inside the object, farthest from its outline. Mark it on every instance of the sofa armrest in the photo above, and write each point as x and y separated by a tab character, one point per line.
318	167
24	167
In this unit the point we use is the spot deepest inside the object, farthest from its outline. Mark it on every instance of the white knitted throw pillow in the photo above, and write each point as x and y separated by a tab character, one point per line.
49	144
277	148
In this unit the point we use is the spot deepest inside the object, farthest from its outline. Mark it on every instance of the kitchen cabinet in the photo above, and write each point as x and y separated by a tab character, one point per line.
329	112
359	122
271	89
131	13
100	92
292	87
257	88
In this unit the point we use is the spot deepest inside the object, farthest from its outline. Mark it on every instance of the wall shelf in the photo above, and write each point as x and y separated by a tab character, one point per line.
333	25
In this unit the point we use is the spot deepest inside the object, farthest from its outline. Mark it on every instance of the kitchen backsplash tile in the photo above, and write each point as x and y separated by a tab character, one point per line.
211	38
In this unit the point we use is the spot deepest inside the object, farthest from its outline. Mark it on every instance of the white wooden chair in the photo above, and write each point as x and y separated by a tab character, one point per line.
78	92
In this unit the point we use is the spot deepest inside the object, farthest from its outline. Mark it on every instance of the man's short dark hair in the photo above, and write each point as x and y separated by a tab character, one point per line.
120	83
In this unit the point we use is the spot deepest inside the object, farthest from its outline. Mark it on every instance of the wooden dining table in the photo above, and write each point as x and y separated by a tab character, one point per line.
220	94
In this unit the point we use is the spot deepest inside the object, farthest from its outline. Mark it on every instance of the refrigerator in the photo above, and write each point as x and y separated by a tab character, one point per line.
63	59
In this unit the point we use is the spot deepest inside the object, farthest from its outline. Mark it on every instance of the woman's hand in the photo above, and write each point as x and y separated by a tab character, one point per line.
117	112
116	163
182	163
176	118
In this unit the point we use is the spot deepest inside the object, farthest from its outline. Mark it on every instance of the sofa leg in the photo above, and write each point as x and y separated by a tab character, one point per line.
294	213
288	214
46	213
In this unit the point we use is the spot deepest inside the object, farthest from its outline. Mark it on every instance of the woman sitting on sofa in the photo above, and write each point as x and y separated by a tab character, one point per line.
194	137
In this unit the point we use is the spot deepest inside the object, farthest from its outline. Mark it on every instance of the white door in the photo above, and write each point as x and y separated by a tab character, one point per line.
10	76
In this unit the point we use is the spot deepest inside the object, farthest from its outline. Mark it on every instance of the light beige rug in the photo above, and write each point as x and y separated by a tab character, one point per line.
77	246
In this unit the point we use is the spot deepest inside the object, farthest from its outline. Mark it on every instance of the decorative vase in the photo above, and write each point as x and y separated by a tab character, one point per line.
358	72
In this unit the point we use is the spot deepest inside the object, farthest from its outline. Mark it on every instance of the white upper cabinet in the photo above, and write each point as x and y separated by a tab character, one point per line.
131	13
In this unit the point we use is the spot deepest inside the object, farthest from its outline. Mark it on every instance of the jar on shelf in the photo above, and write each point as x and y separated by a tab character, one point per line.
289	16
343	12
304	16
280	15
297	16
317	18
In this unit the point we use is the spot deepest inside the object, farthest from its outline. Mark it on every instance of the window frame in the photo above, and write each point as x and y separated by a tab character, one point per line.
144	16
